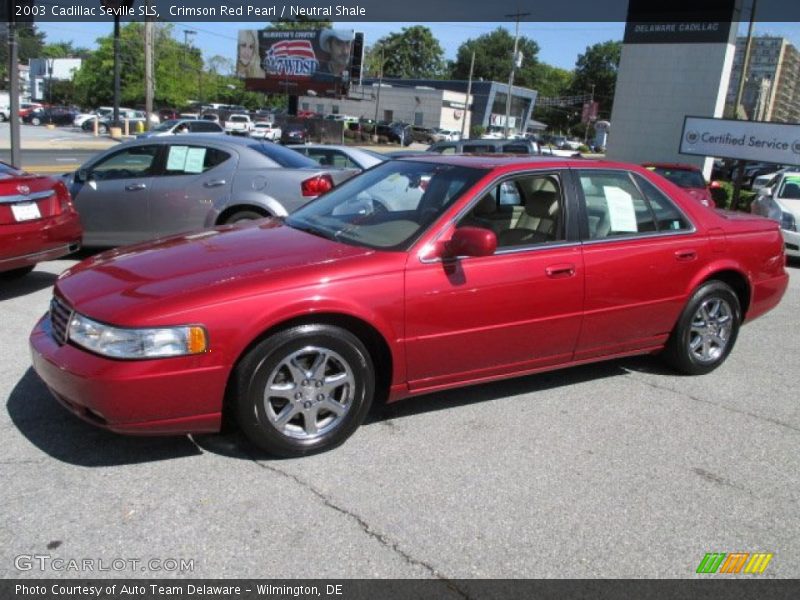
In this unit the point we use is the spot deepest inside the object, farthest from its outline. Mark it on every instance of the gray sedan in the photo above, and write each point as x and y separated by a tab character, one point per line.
155	187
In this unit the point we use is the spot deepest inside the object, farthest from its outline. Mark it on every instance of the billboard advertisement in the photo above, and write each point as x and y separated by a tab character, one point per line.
747	140
296	62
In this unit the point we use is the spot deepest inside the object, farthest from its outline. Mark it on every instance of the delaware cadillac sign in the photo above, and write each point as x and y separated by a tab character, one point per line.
746	140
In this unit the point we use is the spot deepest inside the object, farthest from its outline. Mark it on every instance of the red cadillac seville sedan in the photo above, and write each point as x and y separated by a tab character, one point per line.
37	221
418	275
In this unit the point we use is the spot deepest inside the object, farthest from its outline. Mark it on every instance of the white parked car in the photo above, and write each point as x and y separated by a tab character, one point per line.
781	201
266	131
238	125
5	113
445	135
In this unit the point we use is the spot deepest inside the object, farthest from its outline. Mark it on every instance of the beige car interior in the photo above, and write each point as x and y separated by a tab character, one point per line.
521	211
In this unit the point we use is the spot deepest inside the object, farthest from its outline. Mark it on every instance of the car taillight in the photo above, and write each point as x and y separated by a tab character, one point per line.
317	185
64	197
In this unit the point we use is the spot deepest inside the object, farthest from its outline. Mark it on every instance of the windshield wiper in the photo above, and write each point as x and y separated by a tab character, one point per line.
312	230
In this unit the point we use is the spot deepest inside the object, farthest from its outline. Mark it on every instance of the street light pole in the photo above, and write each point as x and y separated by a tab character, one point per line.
13	92
737	184
517	16
116	71
469	92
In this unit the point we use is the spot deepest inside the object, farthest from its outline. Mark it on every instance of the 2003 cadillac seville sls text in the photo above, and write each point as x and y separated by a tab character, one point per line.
417	275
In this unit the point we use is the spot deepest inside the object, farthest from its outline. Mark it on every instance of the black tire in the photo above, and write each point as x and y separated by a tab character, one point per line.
3	118
243	215
36	121
16	273
701	341
102	128
259	415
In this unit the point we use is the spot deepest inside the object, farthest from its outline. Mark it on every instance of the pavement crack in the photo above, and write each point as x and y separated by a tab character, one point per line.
731	409
368	529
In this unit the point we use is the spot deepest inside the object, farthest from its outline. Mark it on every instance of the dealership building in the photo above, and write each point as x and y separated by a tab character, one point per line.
432	103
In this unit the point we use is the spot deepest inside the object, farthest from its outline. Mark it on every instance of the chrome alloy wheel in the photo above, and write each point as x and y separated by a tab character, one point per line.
309	393
711	330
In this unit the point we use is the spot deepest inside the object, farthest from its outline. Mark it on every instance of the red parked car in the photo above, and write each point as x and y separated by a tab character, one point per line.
688	177
37	221
417	275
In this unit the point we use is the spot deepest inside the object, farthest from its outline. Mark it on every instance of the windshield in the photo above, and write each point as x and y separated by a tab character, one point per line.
387	207
790	188
284	156
682	177
166	125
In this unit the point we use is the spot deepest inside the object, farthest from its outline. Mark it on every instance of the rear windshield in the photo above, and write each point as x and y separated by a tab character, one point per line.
285	157
682	177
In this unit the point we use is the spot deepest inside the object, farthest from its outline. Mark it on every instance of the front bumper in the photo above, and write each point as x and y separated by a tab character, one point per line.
791	242
162	396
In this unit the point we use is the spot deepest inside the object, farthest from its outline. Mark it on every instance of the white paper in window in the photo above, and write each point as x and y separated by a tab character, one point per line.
176	160
621	212
195	158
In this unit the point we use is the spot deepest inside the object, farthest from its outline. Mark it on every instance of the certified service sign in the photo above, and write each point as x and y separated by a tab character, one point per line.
747	140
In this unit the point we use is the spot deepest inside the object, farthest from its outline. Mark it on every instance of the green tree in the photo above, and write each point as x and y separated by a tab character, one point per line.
178	70
64	50
29	45
301	24
493	56
553	82
598	67
413	53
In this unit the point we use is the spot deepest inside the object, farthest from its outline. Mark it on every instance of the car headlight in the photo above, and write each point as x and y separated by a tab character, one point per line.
118	342
788	221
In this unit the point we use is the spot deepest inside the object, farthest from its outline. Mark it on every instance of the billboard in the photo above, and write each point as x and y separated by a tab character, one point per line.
747	140
292	62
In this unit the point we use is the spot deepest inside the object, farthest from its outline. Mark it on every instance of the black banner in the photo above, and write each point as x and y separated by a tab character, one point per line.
433	589
264	11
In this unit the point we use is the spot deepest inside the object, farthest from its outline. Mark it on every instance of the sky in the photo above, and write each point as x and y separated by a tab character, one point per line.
560	43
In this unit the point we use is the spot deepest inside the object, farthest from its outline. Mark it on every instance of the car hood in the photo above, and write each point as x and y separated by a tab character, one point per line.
134	284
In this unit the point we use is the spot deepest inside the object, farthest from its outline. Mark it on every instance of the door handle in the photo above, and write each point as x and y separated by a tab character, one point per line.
214	183
136	186
562	270
685	255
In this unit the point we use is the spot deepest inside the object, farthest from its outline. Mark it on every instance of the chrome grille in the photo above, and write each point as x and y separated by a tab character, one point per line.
60	315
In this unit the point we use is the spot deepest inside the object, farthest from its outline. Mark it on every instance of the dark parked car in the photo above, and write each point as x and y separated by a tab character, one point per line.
57	115
294	134
415	276
159	186
424	135
481	146
37	221
399	133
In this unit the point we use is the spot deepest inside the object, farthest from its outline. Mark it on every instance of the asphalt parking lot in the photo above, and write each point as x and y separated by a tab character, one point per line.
619	469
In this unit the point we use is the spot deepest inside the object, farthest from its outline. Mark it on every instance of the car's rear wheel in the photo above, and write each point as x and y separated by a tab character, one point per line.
102	128
16	273
243	215
304	390
706	331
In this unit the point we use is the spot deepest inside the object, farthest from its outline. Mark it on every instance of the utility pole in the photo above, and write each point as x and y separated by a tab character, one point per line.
469	93
13	92
517	16
588	121
149	83
186	34
378	101
116	71
737	184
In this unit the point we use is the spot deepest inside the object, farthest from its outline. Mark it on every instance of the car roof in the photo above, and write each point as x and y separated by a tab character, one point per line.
500	161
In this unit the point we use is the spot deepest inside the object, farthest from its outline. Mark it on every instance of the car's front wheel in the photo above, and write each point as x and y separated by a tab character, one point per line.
36	121
706	331
304	390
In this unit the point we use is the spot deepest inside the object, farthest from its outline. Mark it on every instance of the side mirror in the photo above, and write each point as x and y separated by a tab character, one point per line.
82	175
714	185
471	241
